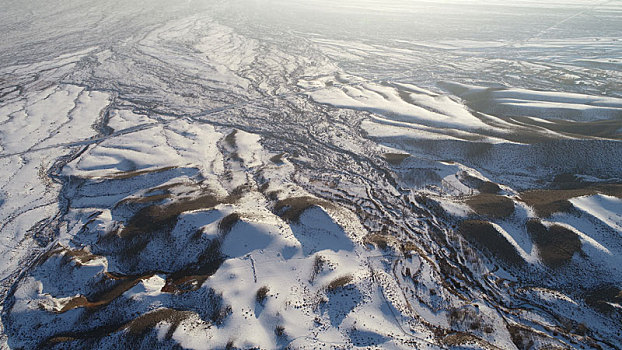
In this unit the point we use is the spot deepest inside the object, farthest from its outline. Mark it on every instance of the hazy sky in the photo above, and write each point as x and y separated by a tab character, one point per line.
33	29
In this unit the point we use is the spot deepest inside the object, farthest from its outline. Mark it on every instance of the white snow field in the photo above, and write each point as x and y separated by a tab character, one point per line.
262	174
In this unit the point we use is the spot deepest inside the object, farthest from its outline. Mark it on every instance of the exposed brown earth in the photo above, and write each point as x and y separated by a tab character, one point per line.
338	283
378	240
262	294
154	218
550	201
106	297
395	158
458	339
124	175
491	205
147	321
277	159
484	234
230	139
227	223
601	297
479	184
556	244
192	277
290	209
137	327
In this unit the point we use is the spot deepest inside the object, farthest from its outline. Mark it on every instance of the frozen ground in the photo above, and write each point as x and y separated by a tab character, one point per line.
305	174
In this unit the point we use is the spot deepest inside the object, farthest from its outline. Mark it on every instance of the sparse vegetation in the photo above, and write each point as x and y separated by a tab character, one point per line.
460	338
75	302
291	209
601	297
156	194
124	175
230	139
227	223
339	283
395	158
481	185
409	247
192	277
219	314
105	297
149	320
273	195
556	244
548	202
42	174
521	337
237	193
155	218
235	156
465	319
380	241
491	205
144	200
489	187
154	224
81	256
567	181
484	234
57	340
318	265
279	331
262	294
478	150
136	328
277	159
